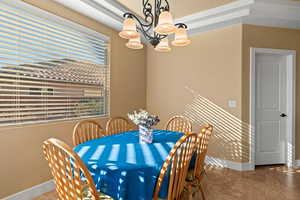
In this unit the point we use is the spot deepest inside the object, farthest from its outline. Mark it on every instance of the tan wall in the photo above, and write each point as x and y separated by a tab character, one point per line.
179	8
275	38
22	163
197	81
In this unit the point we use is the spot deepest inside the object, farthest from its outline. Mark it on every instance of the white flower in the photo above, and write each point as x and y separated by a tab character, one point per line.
143	118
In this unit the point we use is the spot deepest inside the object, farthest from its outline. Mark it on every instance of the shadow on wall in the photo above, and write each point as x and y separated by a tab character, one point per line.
230	140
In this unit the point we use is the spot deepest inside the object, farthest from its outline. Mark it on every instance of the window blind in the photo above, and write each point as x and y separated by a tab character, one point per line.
49	71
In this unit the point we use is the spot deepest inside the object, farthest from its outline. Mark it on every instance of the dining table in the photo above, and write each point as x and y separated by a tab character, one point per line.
125	169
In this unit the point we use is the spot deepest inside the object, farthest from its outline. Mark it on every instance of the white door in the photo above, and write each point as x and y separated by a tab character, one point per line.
271	100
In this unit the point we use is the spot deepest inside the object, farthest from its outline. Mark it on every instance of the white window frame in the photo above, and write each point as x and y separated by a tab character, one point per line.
28	8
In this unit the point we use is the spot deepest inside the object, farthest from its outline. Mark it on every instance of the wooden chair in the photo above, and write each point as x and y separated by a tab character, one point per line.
117	125
179	124
201	150
67	169
177	163
86	130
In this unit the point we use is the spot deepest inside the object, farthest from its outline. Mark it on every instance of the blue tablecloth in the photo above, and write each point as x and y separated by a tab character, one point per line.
125	169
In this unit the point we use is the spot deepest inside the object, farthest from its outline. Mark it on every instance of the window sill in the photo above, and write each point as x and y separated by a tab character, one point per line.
52	123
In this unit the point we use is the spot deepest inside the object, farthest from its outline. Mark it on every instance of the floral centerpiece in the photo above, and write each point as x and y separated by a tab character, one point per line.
145	122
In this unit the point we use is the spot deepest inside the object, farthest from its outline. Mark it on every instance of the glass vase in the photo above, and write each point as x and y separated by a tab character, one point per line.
145	135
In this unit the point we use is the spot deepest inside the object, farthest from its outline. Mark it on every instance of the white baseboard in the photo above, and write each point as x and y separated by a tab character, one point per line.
228	164
33	192
235	165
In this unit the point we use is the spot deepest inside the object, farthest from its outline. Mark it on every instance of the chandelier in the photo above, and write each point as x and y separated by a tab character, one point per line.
156	29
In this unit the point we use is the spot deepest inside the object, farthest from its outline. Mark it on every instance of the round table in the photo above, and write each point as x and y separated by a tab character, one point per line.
125	169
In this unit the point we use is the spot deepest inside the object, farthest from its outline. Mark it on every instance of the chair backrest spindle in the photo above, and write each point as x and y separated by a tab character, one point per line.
202	145
179	124
67	170
86	130
117	125
177	164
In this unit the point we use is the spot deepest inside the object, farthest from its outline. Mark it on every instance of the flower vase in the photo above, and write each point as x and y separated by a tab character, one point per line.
145	135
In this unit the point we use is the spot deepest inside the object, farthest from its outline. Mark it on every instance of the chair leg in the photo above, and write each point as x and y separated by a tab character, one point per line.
190	191
202	191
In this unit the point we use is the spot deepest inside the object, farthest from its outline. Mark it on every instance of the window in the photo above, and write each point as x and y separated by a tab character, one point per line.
50	70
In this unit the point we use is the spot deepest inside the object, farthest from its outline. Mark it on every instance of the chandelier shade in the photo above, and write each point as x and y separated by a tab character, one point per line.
163	46
165	24
181	38
129	29
155	27
135	43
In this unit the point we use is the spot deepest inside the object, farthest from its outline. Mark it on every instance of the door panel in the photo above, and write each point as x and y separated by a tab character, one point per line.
270	103
269	83
269	138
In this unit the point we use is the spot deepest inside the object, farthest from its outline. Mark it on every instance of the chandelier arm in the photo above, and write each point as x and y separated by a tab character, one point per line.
150	37
162	36
146	35
147	11
157	11
167	7
130	15
181	25
143	28
163	8
151	17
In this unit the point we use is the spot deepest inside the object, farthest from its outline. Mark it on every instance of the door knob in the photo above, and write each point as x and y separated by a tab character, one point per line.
283	115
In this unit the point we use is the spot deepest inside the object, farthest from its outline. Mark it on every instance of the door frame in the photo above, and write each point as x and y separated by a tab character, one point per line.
291	102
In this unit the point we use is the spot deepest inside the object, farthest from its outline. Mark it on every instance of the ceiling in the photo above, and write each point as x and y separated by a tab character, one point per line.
179	8
199	15
283	2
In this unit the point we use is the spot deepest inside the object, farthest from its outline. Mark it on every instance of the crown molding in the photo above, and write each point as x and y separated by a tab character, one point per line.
275	13
219	21
293	3
218	11
97	10
107	12
219	17
28	8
